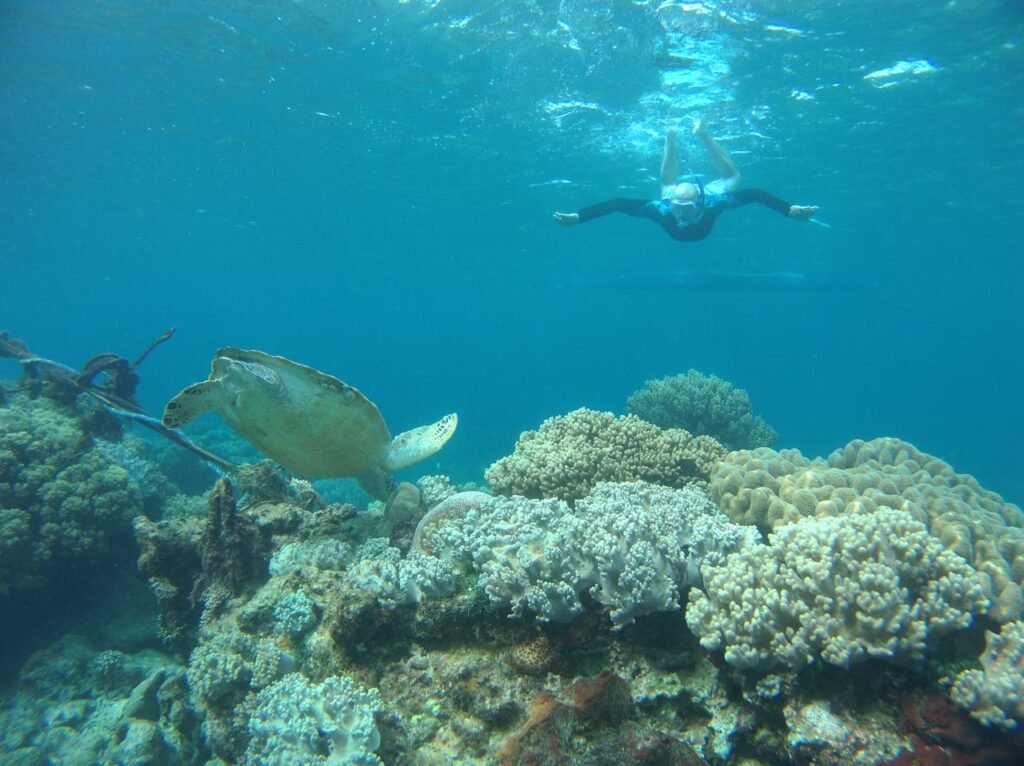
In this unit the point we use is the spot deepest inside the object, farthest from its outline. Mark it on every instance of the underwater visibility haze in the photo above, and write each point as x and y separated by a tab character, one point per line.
365	189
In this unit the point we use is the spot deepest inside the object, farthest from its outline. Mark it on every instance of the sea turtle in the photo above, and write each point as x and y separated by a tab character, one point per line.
308	421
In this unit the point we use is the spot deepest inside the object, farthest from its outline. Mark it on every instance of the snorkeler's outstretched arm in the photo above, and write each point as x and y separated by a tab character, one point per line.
726	168
805	213
761	197
633	207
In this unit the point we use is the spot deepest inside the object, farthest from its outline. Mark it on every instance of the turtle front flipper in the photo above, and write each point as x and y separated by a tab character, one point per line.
419	443
195	400
377	483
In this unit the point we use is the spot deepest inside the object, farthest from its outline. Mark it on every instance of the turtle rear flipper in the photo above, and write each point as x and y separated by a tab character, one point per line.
377	483
195	400
419	443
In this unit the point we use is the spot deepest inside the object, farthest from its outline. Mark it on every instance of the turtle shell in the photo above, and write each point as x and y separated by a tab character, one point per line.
308	421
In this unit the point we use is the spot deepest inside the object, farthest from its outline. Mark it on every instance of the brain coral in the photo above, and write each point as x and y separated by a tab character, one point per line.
62	500
570	454
770	489
995	694
702	404
842	589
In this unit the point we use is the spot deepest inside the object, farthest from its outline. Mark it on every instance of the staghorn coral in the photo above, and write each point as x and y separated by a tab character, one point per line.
570	454
702	404
633	546
994	695
839	589
62	501
769	489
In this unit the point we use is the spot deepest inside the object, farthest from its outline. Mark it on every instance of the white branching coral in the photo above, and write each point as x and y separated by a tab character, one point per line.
842	589
298	723
771	489
635	547
994	695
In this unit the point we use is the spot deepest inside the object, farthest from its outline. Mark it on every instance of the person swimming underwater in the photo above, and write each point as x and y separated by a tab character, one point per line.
687	210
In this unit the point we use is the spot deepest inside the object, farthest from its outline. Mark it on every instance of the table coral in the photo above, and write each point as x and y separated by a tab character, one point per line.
570	454
702	404
837	589
770	489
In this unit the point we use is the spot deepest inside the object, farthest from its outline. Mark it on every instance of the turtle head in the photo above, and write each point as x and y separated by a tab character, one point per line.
420	443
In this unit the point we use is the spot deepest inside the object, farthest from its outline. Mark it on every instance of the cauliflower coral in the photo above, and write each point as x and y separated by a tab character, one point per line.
62	501
570	454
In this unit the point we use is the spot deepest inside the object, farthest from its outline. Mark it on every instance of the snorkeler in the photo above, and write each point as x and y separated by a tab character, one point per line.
687	210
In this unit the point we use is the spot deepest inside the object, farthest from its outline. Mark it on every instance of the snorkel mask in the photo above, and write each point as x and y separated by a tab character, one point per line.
689	209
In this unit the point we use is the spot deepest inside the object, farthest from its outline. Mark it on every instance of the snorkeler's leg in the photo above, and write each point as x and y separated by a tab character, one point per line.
726	168
669	162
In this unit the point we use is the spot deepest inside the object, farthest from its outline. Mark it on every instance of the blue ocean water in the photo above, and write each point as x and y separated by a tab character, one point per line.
367	187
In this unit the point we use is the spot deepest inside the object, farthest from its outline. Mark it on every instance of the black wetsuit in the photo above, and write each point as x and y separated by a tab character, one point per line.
660	211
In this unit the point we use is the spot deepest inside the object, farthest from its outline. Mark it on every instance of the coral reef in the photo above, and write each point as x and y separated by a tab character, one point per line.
381	635
298	723
229	544
169	558
839	589
591	721
319	554
266	482
941	734
769	489
451	508
381	570
77	705
702	404
570	454
63	502
820	731
224	669
994	695
633	547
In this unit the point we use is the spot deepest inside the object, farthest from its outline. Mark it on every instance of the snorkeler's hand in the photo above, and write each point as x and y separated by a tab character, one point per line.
699	128
567	219
802	212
